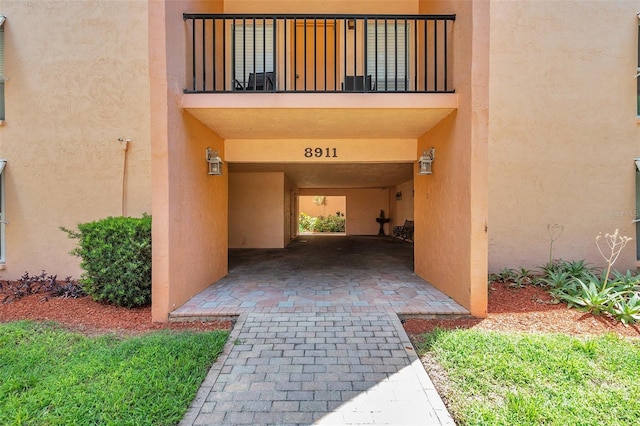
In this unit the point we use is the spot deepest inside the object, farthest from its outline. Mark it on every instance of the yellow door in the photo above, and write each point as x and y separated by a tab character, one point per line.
315	56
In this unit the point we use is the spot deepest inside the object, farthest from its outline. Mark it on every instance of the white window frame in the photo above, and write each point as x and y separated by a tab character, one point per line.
384	78
243	62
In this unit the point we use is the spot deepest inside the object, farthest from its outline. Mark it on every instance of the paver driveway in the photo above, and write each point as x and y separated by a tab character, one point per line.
318	339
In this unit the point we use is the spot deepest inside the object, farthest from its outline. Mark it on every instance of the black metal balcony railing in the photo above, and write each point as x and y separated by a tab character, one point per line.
328	53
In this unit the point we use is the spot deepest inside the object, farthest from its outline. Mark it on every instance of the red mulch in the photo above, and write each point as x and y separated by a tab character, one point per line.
89	317
528	309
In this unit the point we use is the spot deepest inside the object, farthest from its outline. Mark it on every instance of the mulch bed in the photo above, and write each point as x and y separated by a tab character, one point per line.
528	309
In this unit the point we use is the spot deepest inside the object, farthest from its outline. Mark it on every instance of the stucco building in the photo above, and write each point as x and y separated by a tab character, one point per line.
110	107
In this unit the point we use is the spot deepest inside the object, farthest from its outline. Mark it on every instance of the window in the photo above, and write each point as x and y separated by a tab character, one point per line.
387	54
2	211
254	52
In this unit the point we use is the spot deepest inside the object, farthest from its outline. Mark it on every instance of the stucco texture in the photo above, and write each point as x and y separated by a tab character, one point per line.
451	204
190	216
78	81
563	129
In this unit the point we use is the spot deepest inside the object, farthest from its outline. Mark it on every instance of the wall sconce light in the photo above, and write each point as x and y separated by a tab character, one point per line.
424	162
398	195
215	163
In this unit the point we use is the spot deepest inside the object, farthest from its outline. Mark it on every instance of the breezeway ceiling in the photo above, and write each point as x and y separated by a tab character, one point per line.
349	175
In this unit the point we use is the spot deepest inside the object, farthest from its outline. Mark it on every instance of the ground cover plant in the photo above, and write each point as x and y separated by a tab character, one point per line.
491	378
49	375
598	291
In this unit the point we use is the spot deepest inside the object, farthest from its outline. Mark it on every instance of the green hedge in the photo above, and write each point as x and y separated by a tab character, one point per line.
116	258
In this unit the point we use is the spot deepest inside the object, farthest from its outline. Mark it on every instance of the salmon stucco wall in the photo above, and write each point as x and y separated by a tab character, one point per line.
322	6
451	204
190	215
563	129
332	205
256	210
78	81
290	194
363	207
402	209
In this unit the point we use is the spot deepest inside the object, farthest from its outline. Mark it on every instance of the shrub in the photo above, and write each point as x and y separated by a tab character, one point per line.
116	258
329	224
306	222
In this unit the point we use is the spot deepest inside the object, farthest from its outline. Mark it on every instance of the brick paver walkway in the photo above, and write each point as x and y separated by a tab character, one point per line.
318	339
332	369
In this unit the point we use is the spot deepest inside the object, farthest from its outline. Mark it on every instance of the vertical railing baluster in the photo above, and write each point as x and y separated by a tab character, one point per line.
335	55
305	54
426	56
204	55
395	51
435	55
284	61
446	73
213	52
193	53
386	55
364	54
274	57
315	54
224	55
345	24
407	62
325	54
244	53
295	54
355	52
253	22
415	53
264	53
375	53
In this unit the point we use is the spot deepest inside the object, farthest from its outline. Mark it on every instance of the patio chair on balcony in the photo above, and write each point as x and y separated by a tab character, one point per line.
258	82
357	83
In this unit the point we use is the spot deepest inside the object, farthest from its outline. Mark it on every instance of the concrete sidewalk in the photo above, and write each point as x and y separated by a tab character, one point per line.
318	368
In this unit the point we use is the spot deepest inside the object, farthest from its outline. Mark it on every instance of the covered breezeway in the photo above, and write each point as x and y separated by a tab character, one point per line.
322	274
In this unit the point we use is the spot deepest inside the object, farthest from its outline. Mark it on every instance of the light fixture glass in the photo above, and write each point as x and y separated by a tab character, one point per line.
214	161
424	162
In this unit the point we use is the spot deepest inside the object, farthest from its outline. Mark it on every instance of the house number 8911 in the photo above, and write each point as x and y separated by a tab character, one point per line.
321	152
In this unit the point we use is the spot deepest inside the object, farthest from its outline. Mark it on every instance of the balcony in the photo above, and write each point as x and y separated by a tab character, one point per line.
316	69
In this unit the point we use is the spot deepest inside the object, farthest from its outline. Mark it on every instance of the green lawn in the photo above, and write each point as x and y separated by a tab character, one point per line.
50	376
509	379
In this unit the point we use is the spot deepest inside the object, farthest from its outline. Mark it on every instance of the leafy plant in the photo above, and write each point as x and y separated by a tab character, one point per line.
116	258
627	310
522	277
594	297
329	224
506	275
555	278
48	285
306	222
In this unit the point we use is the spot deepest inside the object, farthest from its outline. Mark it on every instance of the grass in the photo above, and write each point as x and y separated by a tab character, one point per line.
513	379
50	376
